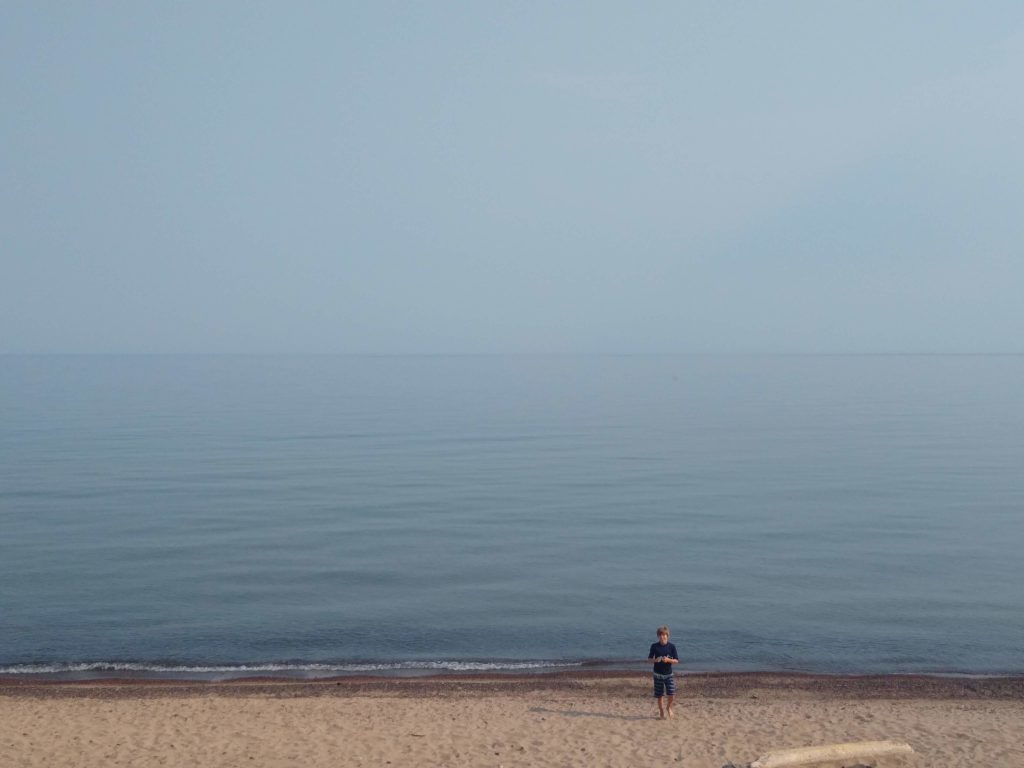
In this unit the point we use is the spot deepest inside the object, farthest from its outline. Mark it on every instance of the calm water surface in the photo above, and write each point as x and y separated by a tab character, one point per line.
316	514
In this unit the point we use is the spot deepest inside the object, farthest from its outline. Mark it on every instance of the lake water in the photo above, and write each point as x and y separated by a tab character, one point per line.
314	515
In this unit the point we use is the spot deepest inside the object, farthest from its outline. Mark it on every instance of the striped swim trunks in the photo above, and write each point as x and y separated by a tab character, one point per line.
664	685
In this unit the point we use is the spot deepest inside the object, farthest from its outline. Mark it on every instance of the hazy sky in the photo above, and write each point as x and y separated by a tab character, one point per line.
511	177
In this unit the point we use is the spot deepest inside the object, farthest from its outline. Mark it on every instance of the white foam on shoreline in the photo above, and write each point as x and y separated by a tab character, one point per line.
67	668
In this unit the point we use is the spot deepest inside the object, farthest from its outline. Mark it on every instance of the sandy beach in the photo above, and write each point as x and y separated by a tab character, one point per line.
550	720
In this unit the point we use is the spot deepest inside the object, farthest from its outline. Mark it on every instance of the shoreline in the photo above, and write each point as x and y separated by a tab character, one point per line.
710	685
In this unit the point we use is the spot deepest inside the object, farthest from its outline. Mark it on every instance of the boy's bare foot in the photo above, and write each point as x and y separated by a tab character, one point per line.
671	714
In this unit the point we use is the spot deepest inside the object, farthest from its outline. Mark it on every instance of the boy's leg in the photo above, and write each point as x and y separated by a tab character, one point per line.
670	692
670	698
661	707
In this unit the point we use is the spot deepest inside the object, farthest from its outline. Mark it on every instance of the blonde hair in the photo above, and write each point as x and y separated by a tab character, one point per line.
664	629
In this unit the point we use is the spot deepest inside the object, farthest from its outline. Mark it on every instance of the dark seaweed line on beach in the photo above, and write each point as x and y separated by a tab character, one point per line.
581	682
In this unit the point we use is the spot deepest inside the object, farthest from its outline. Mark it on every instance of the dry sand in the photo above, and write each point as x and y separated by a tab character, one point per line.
595	719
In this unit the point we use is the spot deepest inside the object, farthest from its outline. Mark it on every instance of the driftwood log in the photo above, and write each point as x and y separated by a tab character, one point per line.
850	750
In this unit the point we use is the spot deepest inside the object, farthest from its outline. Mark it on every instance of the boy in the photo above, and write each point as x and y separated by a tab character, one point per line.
663	654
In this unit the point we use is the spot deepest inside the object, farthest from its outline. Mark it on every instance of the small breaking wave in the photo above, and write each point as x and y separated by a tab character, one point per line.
283	669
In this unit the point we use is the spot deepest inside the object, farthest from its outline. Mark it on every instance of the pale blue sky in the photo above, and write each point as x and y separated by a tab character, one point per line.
485	178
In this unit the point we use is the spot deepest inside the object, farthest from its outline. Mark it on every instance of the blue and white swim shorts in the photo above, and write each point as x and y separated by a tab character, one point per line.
664	685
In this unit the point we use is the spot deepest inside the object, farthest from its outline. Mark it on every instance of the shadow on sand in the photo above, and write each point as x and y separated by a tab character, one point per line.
584	713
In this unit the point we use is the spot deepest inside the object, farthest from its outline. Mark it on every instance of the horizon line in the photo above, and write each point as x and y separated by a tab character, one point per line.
723	353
